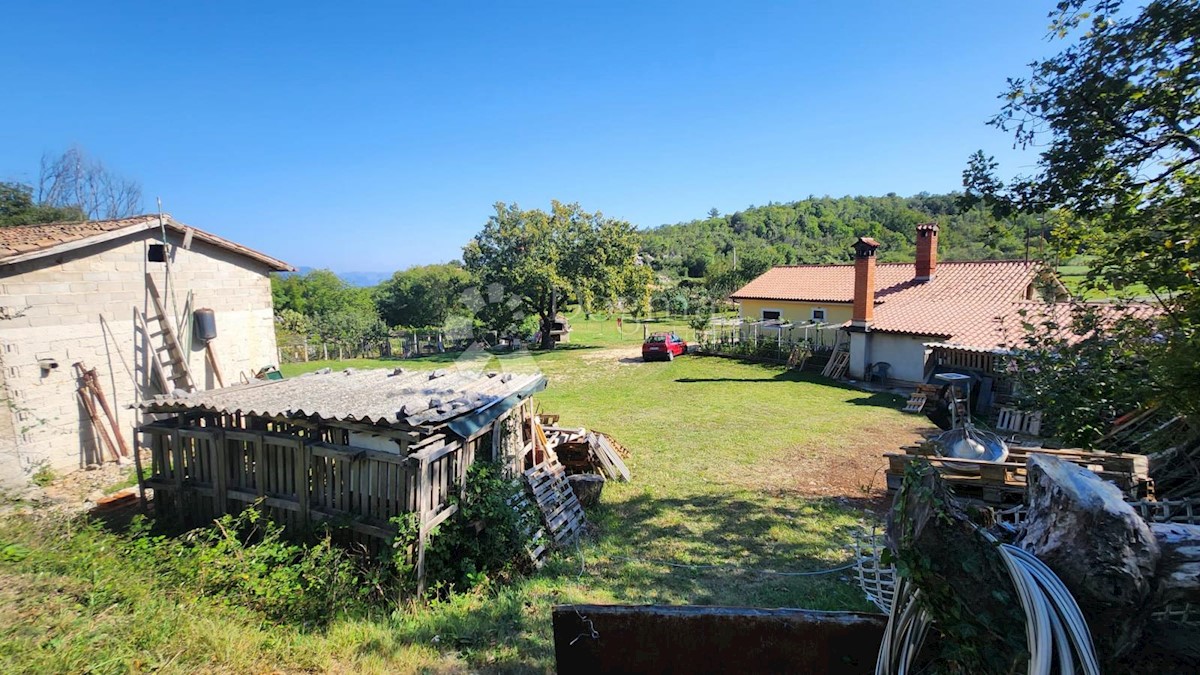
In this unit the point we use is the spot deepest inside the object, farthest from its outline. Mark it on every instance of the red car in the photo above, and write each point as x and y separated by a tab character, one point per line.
664	346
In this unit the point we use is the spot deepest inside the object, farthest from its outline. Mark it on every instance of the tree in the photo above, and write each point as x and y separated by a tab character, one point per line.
76	181
540	258
17	207
421	296
313	293
1117	115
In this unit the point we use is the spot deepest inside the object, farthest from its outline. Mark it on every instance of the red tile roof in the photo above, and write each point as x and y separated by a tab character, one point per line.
963	303
25	242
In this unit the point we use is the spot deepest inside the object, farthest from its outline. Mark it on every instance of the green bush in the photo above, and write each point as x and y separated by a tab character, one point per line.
481	543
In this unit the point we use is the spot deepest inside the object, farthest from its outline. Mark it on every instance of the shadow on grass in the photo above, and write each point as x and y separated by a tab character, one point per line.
722	550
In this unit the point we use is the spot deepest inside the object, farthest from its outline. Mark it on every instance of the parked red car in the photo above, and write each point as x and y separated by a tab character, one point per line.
664	346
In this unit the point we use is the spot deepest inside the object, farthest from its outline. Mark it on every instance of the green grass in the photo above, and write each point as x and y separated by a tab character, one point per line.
745	466
1075	276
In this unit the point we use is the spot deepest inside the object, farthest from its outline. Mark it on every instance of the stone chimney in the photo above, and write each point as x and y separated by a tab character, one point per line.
864	283
927	235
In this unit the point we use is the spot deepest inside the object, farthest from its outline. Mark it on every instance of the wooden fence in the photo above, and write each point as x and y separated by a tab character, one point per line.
302	478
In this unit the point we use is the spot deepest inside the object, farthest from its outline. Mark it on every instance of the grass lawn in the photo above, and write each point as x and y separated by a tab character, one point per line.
746	467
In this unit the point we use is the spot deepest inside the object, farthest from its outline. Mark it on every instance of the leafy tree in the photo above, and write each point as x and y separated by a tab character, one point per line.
1086	371
321	304
1117	115
17	207
539	258
317	292
421	296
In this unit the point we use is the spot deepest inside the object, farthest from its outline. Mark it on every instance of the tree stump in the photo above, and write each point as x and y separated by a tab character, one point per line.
587	487
964	583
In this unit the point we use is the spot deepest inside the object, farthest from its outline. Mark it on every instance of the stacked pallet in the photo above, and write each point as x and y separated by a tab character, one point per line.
561	511
1003	483
583	451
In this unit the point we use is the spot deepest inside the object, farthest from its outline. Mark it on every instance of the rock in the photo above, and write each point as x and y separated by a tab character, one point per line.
1081	527
587	488
91	467
95	496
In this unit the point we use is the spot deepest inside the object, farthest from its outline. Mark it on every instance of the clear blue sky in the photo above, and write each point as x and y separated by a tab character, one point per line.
373	136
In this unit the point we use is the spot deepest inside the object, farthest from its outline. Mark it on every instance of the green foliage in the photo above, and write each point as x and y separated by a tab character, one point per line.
17	207
1116	116
44	475
1087	371
481	543
321	305
246	559
539	258
727	251
421	296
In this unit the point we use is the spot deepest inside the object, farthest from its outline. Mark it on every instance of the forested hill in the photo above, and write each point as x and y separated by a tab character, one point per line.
821	230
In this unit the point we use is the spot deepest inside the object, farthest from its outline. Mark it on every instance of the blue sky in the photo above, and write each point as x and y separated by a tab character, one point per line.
374	136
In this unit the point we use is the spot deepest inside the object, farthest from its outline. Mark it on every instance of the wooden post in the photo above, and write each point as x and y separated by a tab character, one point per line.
423	494
303	462
137	466
260	473
221	467
93	382
306	350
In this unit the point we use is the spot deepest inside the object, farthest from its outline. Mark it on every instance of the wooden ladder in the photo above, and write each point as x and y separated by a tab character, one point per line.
172	371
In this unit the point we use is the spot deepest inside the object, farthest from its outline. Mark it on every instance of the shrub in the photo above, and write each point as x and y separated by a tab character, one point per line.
480	543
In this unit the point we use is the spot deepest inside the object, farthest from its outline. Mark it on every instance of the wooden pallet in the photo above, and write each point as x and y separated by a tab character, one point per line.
608	459
561	511
838	363
1004	482
916	403
533	536
1018	422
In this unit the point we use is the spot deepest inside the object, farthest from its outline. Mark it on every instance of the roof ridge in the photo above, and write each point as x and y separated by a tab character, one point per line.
909	264
99	221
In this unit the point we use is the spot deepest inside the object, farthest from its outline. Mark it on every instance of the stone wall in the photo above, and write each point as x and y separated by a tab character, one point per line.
80	307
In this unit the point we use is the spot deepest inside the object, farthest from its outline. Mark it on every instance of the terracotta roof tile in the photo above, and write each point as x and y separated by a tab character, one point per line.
24	239
963	303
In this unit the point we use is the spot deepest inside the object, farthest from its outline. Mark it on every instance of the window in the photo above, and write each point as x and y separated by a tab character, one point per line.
818	315
770	315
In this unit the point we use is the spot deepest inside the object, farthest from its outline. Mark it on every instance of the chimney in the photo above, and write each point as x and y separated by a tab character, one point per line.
927	234
864	283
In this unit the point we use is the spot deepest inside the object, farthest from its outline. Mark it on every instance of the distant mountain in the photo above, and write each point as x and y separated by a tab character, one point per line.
352	278
363	278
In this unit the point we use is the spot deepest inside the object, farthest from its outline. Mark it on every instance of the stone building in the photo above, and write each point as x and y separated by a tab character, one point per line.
85	293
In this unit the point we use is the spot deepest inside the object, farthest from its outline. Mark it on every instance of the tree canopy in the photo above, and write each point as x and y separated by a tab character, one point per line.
539	258
422	296
1116	116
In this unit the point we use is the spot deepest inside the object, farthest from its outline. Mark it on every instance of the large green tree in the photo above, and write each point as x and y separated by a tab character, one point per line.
421	296
1116	119
541	259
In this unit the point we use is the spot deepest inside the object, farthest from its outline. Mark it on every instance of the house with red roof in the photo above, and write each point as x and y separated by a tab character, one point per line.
896	313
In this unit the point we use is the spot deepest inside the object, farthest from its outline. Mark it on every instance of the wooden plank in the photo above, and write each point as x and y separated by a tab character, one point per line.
221	478
303	462
423	508
614	458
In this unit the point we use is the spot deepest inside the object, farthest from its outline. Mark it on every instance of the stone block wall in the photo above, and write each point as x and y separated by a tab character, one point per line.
80	307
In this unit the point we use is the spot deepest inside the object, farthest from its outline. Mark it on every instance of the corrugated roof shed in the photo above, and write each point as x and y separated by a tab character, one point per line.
379	397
